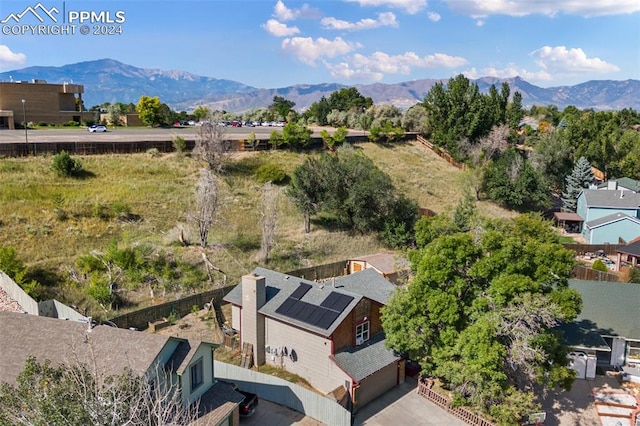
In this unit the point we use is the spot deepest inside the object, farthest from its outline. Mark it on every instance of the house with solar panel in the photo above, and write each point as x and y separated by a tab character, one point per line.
328	333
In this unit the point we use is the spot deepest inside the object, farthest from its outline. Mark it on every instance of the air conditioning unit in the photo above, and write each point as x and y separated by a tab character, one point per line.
359	341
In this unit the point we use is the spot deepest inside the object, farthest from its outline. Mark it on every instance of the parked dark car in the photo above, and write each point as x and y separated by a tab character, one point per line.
249	404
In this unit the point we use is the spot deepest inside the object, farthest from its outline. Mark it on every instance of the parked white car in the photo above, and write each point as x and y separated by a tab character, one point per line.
97	128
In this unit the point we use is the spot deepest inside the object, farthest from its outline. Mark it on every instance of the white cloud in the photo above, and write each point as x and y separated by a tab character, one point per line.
379	64
385	19
283	13
308	50
560	60
509	71
484	8
279	29
480	23
9	58
344	71
410	6
434	17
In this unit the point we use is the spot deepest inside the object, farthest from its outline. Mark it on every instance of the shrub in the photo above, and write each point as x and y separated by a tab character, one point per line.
179	144
42	124
270	173
64	165
154	152
599	265
71	123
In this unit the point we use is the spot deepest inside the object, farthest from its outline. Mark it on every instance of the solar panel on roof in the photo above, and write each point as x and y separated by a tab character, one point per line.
336	301
327	319
286	307
296	309
316	316
306	313
300	291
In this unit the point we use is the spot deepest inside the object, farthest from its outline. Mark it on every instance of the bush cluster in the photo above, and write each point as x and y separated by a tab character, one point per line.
64	165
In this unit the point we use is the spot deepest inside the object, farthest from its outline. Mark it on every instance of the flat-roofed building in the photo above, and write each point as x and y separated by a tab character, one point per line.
38	101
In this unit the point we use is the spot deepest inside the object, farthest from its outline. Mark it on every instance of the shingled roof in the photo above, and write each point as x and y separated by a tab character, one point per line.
69	342
611	308
280	287
607	198
362	361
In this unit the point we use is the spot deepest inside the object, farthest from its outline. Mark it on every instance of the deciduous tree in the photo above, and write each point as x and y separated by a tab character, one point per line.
481	314
149	110
75	395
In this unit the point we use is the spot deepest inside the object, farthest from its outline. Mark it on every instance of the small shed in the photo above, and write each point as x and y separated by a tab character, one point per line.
390	265
570	222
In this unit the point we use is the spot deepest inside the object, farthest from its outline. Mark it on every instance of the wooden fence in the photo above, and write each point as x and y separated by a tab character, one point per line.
440	152
608	249
470	418
586	273
141	318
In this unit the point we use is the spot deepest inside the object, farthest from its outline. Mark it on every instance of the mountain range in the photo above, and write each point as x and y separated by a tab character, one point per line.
107	80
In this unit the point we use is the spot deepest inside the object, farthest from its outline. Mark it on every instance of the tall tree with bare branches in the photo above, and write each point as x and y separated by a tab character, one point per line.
212	145
48	394
204	215
268	221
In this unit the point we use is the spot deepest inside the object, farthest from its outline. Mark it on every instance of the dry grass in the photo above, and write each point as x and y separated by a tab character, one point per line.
425	177
159	190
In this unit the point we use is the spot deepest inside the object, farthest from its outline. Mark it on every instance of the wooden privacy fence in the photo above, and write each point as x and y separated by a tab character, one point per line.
141	318
440	152
608	249
586	273
470	418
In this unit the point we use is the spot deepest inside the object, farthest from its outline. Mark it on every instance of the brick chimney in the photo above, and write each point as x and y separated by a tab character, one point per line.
254	296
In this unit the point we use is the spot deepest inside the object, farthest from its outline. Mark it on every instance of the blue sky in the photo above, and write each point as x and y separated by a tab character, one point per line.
270	44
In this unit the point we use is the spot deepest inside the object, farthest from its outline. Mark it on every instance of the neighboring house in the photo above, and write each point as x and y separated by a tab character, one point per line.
330	334
629	254
609	215
609	325
389	265
623	184
109	351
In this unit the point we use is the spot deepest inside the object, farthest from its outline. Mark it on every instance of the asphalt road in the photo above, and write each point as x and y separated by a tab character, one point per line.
124	134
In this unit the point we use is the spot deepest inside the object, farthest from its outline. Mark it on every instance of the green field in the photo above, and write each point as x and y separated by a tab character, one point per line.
51	220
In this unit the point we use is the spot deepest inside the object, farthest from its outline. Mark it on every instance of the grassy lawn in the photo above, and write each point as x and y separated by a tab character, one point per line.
51	221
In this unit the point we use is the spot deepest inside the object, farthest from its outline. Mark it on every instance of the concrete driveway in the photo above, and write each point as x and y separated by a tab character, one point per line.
269	413
576	407
403	406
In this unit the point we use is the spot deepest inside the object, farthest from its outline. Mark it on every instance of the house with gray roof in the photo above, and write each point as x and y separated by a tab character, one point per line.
109	351
623	183
609	325
328	333
609	215
629	255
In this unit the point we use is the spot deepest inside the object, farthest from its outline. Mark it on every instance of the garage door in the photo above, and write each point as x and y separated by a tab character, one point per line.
377	384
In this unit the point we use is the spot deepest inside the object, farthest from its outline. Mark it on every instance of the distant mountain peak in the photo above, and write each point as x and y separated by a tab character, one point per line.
109	80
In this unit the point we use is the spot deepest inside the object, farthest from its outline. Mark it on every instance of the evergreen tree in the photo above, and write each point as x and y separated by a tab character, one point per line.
579	179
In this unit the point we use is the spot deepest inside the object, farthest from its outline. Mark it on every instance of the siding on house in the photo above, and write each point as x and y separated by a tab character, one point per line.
205	353
312	353
610	232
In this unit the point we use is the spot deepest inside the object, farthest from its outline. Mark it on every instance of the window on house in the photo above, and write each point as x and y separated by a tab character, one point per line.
197	376
362	333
